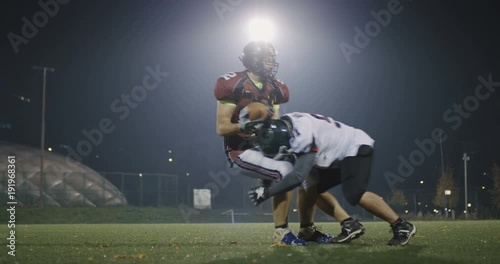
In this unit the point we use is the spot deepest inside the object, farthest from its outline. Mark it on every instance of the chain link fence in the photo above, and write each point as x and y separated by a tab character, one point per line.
146	189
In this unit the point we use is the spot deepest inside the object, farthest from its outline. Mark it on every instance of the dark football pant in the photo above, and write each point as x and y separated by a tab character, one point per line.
353	174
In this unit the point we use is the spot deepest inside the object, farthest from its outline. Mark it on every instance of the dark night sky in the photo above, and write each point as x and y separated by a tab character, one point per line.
427	59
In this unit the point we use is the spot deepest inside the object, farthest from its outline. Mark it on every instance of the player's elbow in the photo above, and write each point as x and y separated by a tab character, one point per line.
219	131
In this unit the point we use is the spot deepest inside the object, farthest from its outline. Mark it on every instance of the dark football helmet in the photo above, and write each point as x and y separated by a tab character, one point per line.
256	54
273	139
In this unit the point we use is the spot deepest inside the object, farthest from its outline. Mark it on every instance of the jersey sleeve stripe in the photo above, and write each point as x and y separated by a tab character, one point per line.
227	102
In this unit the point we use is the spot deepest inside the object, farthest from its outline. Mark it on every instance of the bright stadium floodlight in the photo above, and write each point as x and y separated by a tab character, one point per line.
261	29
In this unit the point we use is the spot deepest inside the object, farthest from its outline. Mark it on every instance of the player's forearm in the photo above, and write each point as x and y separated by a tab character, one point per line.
302	168
290	182
276	114
227	129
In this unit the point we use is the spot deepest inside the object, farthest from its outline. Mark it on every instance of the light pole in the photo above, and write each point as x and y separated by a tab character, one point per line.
447	193
42	136
415	197
441	148
465	158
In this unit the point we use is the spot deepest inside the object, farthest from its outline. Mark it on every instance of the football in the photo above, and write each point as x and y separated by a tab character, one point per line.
257	110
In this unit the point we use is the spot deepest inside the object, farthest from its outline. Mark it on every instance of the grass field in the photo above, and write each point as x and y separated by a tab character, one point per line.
435	242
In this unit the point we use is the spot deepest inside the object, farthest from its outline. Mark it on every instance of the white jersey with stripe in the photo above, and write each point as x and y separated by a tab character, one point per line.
330	139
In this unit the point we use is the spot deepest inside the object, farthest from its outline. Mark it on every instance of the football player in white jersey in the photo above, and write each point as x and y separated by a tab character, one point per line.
331	153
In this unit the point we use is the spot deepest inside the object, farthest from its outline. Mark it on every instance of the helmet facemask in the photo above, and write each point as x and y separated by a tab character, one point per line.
283	152
269	67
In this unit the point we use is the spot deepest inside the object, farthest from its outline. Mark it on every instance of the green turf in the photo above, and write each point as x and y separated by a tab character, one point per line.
435	242
130	215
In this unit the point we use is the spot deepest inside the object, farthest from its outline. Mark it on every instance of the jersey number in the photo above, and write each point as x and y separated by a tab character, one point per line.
228	75
320	117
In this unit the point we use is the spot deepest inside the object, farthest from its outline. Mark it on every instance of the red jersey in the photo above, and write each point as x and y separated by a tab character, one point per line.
238	89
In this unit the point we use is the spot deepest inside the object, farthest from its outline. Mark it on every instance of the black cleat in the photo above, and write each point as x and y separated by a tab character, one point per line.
350	230
402	231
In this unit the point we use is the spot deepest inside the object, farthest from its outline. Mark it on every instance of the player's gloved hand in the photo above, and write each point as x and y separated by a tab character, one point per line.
257	195
250	126
270	110
247	125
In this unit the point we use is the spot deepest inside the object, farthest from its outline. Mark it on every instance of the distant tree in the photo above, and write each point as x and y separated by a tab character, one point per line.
446	182
495	197
398	200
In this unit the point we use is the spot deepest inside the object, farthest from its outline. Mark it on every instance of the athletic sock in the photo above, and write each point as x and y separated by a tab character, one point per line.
397	222
348	219
306	225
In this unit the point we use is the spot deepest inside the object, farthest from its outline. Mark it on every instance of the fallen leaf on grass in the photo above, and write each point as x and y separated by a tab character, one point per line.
124	256
278	245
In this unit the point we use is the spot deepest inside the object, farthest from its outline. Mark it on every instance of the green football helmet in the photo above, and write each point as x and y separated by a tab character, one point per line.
273	139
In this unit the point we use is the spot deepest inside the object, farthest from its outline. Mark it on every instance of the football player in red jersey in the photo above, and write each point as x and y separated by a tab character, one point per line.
258	83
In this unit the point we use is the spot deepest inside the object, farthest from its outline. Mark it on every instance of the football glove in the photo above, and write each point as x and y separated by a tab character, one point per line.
257	195
250	126
270	109
247	125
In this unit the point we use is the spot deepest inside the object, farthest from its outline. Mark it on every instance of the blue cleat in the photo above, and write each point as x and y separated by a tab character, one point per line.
283	236
314	234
